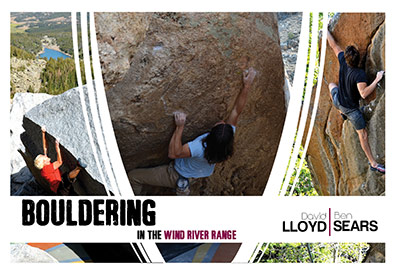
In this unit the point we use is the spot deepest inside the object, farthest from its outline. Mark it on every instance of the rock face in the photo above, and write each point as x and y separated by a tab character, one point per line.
21	104
336	160
289	24
22	181
193	62
119	34
24	253
26	73
63	118
376	253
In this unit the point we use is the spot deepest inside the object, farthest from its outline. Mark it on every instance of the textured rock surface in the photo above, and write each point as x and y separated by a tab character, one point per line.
336	160
289	24
22	181
26	73
21	103
119	34
24	253
63	117
376	253
193	62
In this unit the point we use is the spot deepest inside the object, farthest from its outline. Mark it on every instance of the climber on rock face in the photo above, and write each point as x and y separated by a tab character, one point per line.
197	158
352	86
59	184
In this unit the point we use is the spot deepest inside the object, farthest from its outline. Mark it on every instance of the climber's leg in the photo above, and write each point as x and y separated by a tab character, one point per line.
73	174
333	88
163	176
363	138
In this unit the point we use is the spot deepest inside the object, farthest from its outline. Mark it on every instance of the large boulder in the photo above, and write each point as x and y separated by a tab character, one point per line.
119	34
376	253
63	118
21	104
336	160
22	181
193	62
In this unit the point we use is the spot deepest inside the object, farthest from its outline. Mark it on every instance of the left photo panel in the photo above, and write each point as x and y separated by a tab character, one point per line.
57	134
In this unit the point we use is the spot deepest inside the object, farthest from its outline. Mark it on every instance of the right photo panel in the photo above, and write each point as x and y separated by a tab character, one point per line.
346	152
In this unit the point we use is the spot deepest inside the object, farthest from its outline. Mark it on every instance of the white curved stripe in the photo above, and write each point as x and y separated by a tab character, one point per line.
152	251
92	102
305	107
82	97
317	96
117	169
262	254
246	252
307	101
255	252
136	253
289	129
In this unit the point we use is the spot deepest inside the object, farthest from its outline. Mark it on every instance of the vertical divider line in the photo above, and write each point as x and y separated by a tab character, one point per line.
329	222
113	157
82	97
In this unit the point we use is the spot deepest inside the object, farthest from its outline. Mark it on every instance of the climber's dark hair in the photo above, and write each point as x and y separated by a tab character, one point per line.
218	143
352	56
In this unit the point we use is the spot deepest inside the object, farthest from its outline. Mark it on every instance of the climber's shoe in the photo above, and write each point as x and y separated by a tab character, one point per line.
380	168
81	164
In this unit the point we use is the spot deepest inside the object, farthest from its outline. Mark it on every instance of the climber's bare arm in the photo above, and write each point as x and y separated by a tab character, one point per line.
43	131
58	161
333	44
176	149
241	100
365	90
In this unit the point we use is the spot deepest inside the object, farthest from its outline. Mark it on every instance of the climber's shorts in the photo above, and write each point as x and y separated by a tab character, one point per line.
65	186
355	116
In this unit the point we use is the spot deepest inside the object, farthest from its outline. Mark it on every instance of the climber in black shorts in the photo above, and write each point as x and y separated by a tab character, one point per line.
352	85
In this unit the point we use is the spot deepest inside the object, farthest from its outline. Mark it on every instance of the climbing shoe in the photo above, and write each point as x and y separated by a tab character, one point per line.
81	164
380	168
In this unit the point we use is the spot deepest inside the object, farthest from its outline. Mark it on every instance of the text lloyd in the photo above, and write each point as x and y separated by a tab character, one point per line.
309	225
302	226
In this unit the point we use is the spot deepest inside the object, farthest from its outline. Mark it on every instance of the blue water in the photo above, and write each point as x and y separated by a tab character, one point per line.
48	53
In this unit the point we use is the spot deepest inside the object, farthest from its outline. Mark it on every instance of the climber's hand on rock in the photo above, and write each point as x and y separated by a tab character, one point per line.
380	74
43	129
57	144
248	76
180	118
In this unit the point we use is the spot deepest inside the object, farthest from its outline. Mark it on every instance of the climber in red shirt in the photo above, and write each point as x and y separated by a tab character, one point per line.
59	184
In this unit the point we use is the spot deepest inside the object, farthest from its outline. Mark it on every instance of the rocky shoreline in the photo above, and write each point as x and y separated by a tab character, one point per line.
50	43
